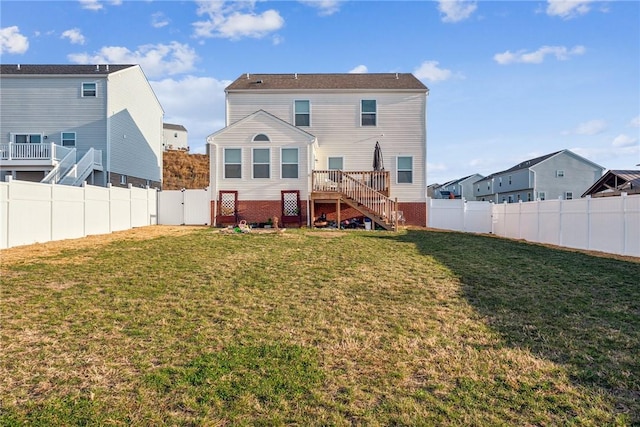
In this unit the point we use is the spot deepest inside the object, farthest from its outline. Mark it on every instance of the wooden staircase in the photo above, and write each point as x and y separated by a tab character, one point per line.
364	191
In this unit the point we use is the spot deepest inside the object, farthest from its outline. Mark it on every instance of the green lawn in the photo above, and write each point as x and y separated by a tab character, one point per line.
316	328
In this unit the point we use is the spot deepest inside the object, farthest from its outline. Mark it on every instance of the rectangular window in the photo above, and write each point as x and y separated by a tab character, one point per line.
232	163
261	162
541	195
368	112
123	179
289	163
68	139
529	197
568	195
559	174
302	113
405	170
27	138
509	179
335	163
89	90
500	182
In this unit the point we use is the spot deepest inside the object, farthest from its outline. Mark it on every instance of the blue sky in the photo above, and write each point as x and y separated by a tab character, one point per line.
508	80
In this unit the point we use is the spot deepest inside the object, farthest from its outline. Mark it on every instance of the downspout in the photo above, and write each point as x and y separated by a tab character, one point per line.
213	181
310	167
108	150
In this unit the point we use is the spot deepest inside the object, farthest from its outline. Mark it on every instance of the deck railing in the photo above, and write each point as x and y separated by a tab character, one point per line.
90	161
61	168
331	180
369	188
50	151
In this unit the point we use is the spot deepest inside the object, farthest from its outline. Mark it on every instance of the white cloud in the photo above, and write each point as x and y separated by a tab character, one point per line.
360	69
11	41
560	52
592	127
623	140
430	71
202	112
159	20
96	5
235	20
568	9
456	10
90	4
635	122
155	60
74	35
325	7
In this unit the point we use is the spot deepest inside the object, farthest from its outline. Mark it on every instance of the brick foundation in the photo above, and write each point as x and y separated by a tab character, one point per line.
258	211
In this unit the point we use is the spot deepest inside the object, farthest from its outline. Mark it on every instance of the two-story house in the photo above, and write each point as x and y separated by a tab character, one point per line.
67	124
175	137
461	188
559	175
301	146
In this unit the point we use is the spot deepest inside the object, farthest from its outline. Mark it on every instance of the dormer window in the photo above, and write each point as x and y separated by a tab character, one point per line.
261	137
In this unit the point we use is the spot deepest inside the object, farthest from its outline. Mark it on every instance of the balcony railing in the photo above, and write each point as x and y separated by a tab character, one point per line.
14	151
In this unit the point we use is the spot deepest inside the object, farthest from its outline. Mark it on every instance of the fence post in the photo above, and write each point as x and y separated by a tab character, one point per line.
624	222
588	222
110	188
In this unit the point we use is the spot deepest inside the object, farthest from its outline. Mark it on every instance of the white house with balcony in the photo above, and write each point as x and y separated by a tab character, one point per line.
67	124
301	147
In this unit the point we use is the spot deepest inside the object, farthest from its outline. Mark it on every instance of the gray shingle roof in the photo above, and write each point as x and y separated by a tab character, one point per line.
173	127
61	69
294	81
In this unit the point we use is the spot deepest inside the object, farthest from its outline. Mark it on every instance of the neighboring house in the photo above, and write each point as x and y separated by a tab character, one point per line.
461	188
174	137
559	175
68	124
614	183
298	146
432	189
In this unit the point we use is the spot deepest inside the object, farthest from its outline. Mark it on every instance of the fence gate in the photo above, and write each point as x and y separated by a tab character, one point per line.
184	207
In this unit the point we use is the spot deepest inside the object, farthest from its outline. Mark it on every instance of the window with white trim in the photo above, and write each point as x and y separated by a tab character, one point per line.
568	195
232	163
368	112
404	169
559	174
27	138
302	113
261	137
68	139
542	195
89	90
335	163
289	166
123	179
261	163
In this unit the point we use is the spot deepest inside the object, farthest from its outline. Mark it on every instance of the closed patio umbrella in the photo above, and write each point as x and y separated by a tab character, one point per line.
378	163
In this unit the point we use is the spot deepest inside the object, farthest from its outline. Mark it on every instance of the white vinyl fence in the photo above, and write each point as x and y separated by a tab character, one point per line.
184	207
605	224
33	212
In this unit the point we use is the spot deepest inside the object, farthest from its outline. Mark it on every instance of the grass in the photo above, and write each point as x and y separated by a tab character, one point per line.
315	328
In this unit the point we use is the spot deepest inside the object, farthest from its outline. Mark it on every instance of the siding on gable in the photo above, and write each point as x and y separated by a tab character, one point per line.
335	121
578	176
263	188
135	126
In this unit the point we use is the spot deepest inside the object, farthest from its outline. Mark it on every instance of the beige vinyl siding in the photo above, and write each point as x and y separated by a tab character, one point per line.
335	121
241	136
52	105
136	128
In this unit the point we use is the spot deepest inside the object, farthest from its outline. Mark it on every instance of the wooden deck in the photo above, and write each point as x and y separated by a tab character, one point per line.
365	191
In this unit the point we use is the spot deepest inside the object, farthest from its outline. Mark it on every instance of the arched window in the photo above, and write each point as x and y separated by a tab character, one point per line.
261	137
